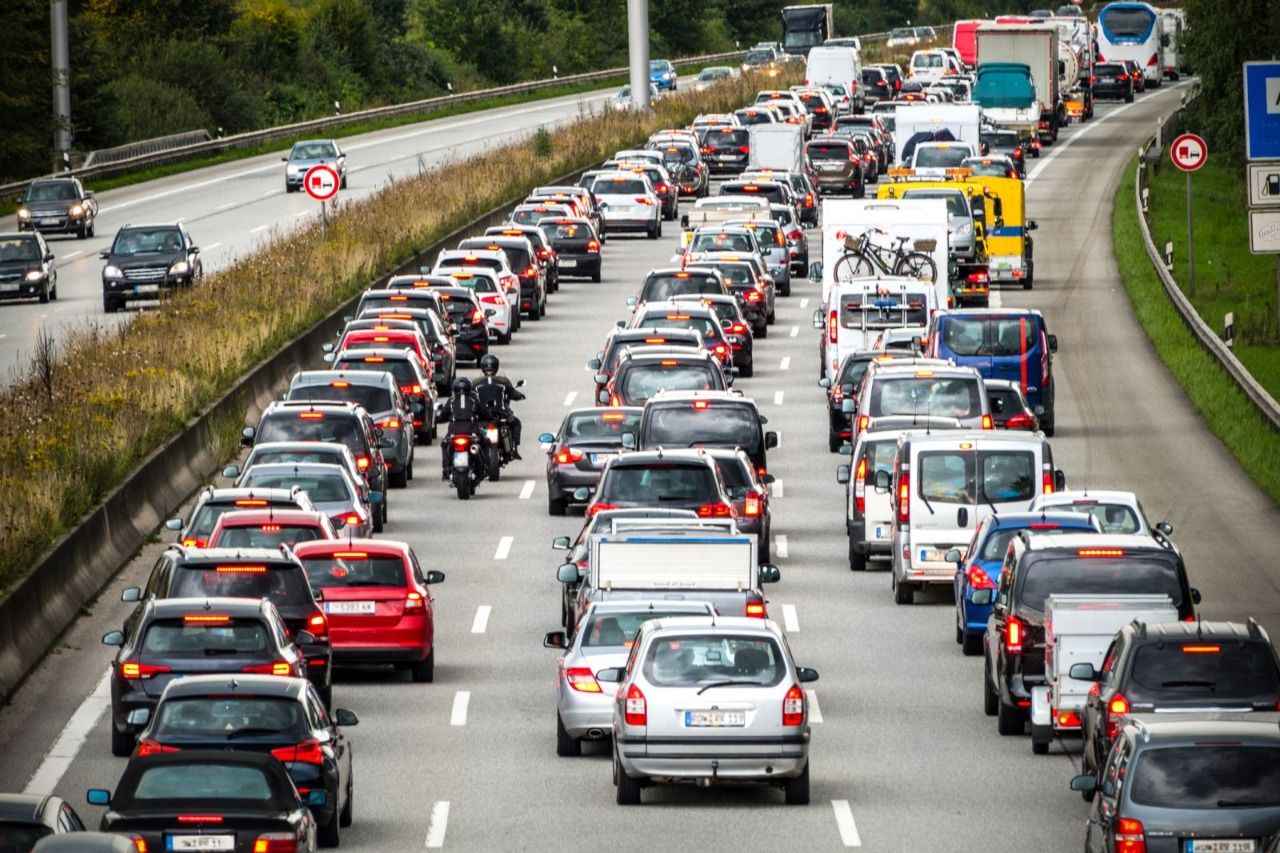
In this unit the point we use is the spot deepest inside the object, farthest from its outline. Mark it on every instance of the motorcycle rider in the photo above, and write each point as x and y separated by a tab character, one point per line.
462	410
489	367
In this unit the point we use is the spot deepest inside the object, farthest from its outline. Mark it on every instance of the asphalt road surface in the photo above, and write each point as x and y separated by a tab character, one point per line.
903	758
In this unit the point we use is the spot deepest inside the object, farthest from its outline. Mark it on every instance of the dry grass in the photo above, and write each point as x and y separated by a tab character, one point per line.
73	429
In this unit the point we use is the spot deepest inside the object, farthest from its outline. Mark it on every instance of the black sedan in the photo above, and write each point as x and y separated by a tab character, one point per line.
263	713
579	450
26	818
210	800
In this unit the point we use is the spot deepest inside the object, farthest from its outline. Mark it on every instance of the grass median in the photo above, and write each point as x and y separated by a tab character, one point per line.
73	428
1229	414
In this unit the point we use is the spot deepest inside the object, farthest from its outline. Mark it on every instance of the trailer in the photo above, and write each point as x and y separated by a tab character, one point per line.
1079	629
779	147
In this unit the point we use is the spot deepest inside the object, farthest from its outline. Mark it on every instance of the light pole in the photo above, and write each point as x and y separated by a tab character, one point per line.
638	38
61	61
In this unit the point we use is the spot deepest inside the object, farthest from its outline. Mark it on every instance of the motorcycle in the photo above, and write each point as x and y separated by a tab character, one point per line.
499	448
468	465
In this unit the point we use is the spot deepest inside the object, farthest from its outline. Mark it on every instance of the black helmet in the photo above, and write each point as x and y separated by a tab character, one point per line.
462	385
489	364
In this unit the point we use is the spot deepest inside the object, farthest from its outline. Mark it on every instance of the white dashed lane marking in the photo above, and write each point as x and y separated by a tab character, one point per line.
780	545
789	618
844	822
438	824
526	491
481	621
458	716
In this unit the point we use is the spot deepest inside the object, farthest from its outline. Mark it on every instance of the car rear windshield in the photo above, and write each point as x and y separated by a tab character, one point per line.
997	542
658	483
371	397
872	77
401	370
288	426
692	661
1010	399
203	780
997	336
355	568
948	476
1097	576
267	536
230	718
517	258
619	629
721	241
21	837
604	427
478	284
619	345
660	287
321	488
713	74
926	60
619	186
758	57
775	194
1207	668
722	137
282	584
888	311
750	117
955	201
532	216
699	322
1207	776
738	275
469	263
942	396
928	156
209	513
178	638
687	424
829	152
569	231
642	381
1112	517
1108	69
678	154
879	456
19	249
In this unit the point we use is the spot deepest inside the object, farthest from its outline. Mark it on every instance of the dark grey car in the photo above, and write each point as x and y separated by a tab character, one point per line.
27	268
58	205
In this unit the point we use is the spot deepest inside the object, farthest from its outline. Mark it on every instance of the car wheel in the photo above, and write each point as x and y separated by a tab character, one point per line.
424	671
1049	424
398	479
379	518
797	789
93	228
1009	720
409	467
1128	99
44	294
1040	738
762	332
53	293
902	592
747	370
557	506
327	834
287	189
785	290
567	746
972	645
834	441
595	276
344	182
504	338
989	698
347	815
628	793
959	630
857	559
121	742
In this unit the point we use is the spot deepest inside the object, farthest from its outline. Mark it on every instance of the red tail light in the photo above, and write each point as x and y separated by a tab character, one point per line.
744	149
349	518
979	277
716	510
793	707
280	667
978	579
593	246
411	389
134	671
1023	421
863	422
755	608
1017	153
147	746
307	752
317	624
1067	720
904	496
738	329
808	200
795	234
599	507
754	296
645	200
530	272
461	442
721	352
1014	635
139	843
389	423
833	326
1117	710
754	505
477	317
1131	837
544	254
1046	476
636	711
663	188
275	842
1123	76
987	423
362	462
568	456
582	679
414	601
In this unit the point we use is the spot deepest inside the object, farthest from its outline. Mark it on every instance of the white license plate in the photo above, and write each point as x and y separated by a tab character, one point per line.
568	265
601	458
50	221
1220	845
931	555
146	288
9	288
350	607
202	842
879	532
715	719
724	157
461	460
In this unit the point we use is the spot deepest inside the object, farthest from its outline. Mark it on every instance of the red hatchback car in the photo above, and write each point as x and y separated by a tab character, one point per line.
269	528
377	601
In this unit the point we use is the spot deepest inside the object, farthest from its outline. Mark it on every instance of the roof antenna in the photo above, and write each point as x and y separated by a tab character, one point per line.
1199	626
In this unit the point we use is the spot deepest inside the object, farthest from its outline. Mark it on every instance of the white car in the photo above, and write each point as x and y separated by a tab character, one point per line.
1116	511
628	203
929	65
622	100
933	159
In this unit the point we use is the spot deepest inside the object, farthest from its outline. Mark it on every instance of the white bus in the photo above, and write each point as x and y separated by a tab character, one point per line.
1129	30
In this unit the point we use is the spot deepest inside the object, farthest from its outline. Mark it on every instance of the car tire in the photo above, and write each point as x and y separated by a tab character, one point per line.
379	518
1040	738
972	644
748	370
989	698
785	290
557	506
797	789
327	835
834	442
628	789
287	189
857	559
1009	720
344	182
44	294
1128	99
122	743
93	228
398	479
348	813
762	332
595	276
903	592
53	293
82	231
424	671
567	746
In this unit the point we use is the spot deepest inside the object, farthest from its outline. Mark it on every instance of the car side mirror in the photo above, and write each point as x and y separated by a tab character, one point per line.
815	271
842	474
824	382
1053	343
386	442
611	675
304	638
284	159
104	254
601	379
98	797
769	573
1165	527
519	383
847	406
817	319
113	638
882	481
138	717
1059	480
490	312
89	194
770	440
594	364
555	640
1030	225
1195	595
48	256
962	517
434	576
1085	783
568	573
629	441
768	479
345	718
131	594
1083	672
246	436
174	524
632	301
954	555
195	250
546	438
231	472
560	543
806	675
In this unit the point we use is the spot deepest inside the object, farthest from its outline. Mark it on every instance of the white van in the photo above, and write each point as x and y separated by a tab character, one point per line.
928	65
942	487
836	64
858	311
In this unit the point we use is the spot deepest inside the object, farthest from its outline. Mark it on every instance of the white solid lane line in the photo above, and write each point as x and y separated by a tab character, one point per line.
210	247
260	228
482	619
77	253
438	825
785	364
526	491
844	822
789	618
777	398
815	710
776	488
504	548
73	736
570	397
780	544
458	716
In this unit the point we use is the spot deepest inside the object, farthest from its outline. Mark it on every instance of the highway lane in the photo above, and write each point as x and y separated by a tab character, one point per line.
904	758
234	206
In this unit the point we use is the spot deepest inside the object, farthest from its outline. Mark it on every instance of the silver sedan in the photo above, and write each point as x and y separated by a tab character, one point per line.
710	700
584	706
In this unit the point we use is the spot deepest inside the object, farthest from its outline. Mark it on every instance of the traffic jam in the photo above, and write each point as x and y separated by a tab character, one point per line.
892	202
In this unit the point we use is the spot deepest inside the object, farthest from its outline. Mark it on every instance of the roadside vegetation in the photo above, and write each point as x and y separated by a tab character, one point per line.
79	421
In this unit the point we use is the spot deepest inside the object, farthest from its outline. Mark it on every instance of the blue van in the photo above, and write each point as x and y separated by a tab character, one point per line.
1008	343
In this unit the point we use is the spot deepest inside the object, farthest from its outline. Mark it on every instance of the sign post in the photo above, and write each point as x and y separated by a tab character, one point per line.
321	183
1189	153
1262	149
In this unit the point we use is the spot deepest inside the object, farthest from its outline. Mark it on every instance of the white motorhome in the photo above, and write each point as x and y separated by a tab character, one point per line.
915	123
1172	24
836	64
779	147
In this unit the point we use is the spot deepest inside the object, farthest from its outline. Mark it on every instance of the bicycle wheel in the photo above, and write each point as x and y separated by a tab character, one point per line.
850	267
917	265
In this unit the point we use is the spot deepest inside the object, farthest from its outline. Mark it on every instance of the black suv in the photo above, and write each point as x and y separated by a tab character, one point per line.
27	268
147	261
706	419
1178	667
1036	567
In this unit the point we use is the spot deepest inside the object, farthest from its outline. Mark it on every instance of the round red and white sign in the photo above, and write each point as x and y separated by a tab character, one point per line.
321	182
1189	152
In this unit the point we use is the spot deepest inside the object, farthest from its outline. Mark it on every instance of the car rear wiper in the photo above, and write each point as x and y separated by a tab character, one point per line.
730	683
1247	804
927	505
1209	684
216	652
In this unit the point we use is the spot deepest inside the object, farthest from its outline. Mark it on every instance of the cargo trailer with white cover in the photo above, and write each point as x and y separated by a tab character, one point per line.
779	147
1078	629
925	122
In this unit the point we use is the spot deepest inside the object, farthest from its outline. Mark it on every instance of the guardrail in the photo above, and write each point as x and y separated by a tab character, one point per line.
1207	336
107	156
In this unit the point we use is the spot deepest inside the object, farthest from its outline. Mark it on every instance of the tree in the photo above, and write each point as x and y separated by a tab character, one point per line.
26	99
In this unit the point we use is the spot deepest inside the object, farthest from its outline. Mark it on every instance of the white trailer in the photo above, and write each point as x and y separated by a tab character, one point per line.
1172	23
1079	629
1035	46
962	121
779	147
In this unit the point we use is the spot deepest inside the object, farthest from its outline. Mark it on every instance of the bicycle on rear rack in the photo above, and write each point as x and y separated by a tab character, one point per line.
863	259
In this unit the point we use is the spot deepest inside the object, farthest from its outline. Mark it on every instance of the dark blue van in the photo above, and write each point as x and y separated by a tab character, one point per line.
1009	343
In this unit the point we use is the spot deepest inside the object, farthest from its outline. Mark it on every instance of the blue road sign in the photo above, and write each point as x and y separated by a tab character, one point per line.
1262	110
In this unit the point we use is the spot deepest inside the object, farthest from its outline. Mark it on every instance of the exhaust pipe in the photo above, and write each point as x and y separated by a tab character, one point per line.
595	733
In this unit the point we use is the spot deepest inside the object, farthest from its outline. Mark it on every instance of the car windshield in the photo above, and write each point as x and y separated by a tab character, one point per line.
178	638
266	536
604	427
354	567
927	60
1112	517
737	275
289	426
902	33
828	151
758	57
658	483
532	215
775	194
1009	398
270	456
371	397
693	661
708	74
872	77
202	781
1108	69
754	117
1127	21
321	488
282	584
721	241
614	629
659	65
1098	576
698	423
988	167
225	717
946	396
147	241
19	249
886	311
1222	670
642	381
956	205
619	186
938	157
21	837
996	336
52	191
313	151
1207	776
677	154
852	372
660	287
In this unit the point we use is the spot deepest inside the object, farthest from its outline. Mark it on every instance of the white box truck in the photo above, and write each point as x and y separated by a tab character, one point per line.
1035	46
838	64
916	123
779	147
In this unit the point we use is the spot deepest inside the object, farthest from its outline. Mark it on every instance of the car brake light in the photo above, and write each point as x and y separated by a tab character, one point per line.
1014	634
1130	836
977	578
753	505
1023	421
721	352
754	296
352	519
738	329
744	149
1067	720
1201	650
645	200
530	272
755	608
987	422
793	707
904	495
715	510
1046	477
593	246
206	619
1099	552
599	507
362	462
306	752
1117	708
461	442
279	667
199	818
311	416
860	488
317	624
568	456
275	842
582	679
411	389
833	326
132	670
147	746
390	423
635	711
